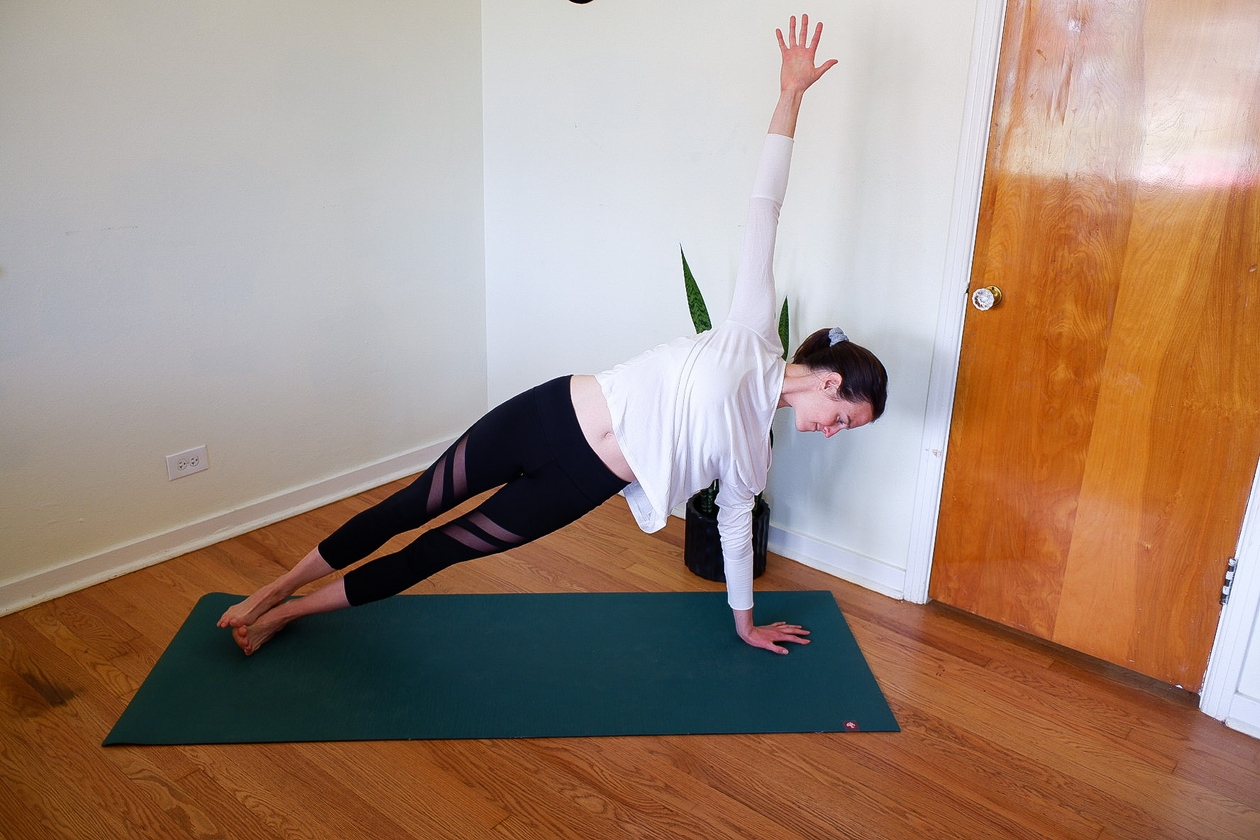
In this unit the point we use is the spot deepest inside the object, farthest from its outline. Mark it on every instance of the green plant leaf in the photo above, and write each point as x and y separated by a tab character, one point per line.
706	501
783	328
695	300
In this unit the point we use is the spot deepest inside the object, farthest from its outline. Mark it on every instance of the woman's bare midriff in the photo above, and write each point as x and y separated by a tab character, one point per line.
597	426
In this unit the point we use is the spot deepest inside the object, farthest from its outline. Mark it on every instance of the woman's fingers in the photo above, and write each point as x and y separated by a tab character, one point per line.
784	632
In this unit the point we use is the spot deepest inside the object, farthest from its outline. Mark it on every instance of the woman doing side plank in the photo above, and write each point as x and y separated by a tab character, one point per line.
660	427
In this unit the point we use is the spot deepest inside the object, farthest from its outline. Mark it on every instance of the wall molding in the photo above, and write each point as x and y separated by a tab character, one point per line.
87	571
1244	715
866	572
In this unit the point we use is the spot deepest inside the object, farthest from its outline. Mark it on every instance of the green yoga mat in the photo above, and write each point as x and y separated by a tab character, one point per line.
508	666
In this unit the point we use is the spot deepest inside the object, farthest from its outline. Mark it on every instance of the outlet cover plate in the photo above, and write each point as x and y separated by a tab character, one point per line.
187	462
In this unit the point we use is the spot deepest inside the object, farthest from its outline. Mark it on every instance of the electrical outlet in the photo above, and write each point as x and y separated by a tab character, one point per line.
186	463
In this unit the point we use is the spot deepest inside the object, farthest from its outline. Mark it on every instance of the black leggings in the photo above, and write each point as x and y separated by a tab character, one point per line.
532	445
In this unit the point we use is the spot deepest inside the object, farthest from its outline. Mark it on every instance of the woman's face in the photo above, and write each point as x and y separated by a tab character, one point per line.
823	410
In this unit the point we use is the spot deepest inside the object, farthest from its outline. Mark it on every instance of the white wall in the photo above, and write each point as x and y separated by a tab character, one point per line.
617	131
252	225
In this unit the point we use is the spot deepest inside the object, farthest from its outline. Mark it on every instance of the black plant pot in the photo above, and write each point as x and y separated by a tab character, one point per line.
702	546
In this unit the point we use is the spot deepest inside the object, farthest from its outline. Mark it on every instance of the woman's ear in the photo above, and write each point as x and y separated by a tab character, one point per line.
831	384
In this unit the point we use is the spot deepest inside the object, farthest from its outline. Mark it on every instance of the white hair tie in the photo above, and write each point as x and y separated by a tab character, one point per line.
836	335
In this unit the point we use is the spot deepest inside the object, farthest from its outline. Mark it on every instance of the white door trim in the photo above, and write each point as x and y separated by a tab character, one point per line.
964	217
1238	619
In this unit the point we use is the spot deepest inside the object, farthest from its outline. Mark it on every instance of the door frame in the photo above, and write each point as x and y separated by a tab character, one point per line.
1241	614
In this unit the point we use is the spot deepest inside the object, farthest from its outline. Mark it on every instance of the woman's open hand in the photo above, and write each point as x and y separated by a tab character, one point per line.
767	635
798	71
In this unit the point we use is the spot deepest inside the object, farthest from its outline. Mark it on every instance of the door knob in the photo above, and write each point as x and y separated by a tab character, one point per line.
986	297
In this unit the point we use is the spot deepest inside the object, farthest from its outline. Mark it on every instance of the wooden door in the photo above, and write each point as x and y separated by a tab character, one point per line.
1106	425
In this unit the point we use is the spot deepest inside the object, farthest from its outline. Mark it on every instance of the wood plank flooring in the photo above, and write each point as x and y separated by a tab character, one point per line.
1004	736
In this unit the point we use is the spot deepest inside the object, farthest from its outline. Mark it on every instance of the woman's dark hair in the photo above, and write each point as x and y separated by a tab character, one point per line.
863	375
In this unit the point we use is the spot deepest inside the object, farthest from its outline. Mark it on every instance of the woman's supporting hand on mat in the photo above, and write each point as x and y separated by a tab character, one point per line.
766	635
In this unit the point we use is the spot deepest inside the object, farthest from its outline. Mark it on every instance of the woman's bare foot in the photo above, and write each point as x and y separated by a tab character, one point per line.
250	637
311	568
252	608
251	634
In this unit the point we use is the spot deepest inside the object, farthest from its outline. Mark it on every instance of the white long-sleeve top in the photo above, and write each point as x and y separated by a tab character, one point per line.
699	408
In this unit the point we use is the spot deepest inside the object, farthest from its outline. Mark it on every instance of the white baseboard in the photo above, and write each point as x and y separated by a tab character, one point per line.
1244	715
119	560
839	562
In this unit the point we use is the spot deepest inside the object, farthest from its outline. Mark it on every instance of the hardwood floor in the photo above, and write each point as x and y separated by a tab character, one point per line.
1004	736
